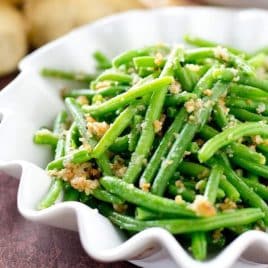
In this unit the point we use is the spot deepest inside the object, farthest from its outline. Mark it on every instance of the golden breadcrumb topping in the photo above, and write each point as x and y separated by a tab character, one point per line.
179	200
158	124
193	105
103	84
207	92
82	100
159	58
221	53
118	167
175	88
227	205
257	139
203	207
145	186
120	208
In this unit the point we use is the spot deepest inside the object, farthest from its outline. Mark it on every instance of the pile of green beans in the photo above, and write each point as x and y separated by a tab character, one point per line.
166	137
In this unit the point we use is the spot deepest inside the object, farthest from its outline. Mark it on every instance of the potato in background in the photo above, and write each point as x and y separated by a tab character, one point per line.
13	38
49	19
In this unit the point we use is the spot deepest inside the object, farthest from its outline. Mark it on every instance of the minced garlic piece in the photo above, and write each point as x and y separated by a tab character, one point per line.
175	88
121	208
179	200
145	186
158	59
257	139
207	92
158	124
221	103
118	167
203	207
179	184
103	84
227	205
261	108
193	105
221	53
83	100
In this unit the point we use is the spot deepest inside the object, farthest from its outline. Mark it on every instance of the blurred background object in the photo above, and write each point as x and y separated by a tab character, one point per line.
32	23
13	40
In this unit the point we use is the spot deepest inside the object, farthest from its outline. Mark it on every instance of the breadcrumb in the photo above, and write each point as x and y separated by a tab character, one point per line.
84	185
179	184
158	124
145	186
118	167
158	59
103	84
227	205
120	208
261	108
83	100
221	53
207	92
97	128
193	105
257	139
175	88
203	207
179	200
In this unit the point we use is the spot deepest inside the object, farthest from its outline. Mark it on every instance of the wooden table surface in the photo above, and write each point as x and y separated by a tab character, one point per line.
26	244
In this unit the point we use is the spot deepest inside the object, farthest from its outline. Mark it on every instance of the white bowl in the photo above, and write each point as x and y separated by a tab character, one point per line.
240	3
31	101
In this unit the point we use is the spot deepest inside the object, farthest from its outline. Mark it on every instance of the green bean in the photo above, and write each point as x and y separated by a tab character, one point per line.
243	151
259	188
147	134
102	61
46	137
176	100
228	136
147	200
78	117
237	149
207	132
57	185
249	92
72	137
105	196
70	194
253	167
135	132
245	115
77	157
199	245
114	131
258	60
176	153
162	149
180	226
220	116
131	95
263	148
52	194
128	56
68	75
120	144
246	193
187	194
114	76
193	169
110	91
253	82
200	53
146	62
200	42
251	105
213	183
229	189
